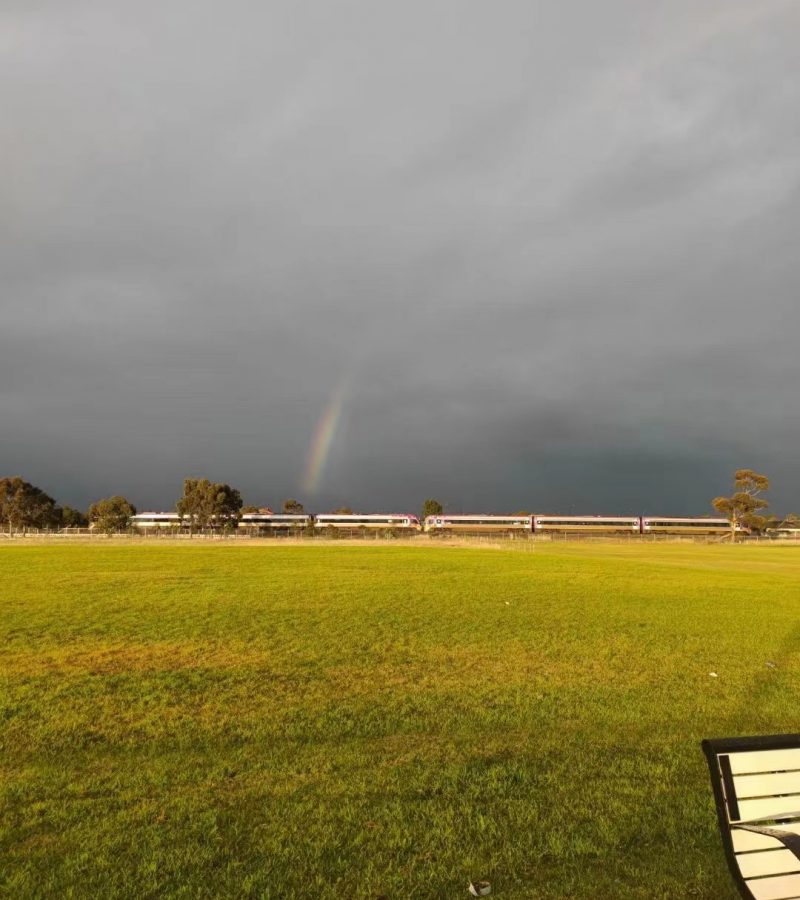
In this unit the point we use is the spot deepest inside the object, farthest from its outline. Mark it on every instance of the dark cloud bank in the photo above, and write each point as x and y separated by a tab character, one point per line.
549	250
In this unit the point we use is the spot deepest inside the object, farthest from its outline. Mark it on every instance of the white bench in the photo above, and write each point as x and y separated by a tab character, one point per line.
756	783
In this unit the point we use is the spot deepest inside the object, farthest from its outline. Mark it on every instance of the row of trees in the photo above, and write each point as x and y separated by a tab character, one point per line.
23	505
207	504
203	504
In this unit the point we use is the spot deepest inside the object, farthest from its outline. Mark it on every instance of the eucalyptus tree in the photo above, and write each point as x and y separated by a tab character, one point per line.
430	507
742	508
111	514
23	505
73	518
208	504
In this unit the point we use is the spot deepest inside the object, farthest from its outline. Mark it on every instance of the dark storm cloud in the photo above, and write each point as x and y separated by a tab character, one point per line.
548	249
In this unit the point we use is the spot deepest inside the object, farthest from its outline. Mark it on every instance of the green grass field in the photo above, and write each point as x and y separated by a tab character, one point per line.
344	721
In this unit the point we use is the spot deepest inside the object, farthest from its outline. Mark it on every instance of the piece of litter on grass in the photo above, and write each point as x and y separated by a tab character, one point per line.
508	603
480	888
713	674
772	665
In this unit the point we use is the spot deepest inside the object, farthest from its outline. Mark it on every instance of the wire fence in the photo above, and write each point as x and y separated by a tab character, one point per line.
326	536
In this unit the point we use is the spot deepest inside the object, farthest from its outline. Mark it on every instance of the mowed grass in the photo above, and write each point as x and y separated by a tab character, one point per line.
346	721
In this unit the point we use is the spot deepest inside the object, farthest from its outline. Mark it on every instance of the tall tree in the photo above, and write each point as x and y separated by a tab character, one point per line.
741	509
23	505
73	518
209	504
293	507
111	514
431	508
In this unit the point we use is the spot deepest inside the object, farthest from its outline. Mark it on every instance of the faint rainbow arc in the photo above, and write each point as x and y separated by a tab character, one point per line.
323	440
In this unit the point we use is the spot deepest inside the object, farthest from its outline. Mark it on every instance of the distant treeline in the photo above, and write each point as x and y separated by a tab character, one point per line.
203	504
206	504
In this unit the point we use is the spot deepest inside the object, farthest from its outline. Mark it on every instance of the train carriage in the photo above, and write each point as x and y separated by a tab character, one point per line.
477	524
250	523
586	525
784	534
370	521
686	525
157	521
273	523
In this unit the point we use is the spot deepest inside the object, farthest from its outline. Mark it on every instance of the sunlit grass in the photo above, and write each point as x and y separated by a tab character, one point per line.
326	721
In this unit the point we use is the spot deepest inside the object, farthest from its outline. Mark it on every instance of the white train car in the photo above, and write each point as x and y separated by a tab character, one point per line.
477	524
784	534
157	521
586	525
690	526
274	523
370	521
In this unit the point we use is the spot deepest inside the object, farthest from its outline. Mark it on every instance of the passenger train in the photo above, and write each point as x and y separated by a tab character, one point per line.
266	523
586	525
284	523
248	522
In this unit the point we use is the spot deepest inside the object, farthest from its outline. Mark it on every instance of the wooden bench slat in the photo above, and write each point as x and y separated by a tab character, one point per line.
768	862
766	785
769	808
764	761
783	887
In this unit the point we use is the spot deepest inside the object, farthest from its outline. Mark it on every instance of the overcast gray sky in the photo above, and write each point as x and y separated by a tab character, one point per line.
538	255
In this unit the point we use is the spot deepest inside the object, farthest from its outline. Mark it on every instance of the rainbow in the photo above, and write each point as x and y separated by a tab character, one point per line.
323	439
